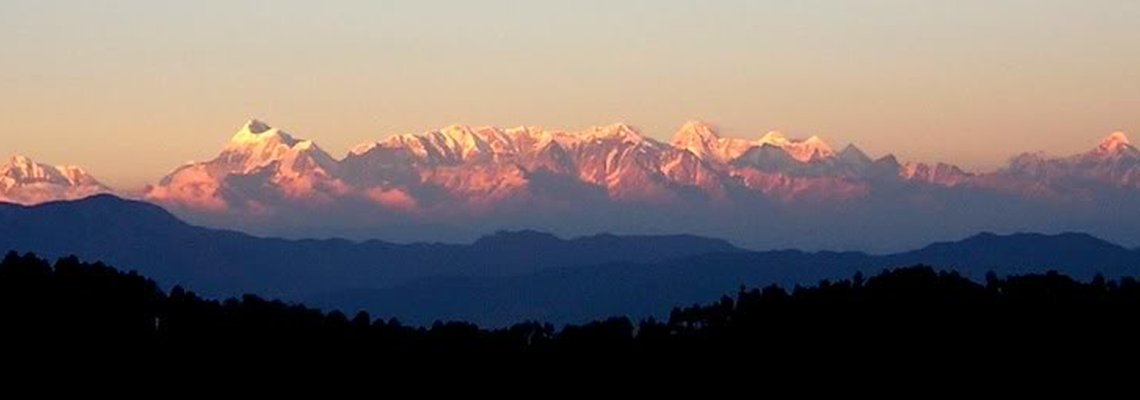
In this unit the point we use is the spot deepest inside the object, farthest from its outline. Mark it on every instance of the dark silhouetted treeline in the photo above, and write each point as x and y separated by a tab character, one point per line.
916	311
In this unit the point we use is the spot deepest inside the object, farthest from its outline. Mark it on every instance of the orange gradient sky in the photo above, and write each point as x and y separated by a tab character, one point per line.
130	89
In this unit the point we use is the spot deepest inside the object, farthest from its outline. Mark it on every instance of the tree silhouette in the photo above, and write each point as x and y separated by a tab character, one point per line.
915	312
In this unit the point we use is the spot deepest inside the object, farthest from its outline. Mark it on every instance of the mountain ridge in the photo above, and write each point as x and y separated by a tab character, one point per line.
221	262
457	182
572	295
24	181
408	172
523	274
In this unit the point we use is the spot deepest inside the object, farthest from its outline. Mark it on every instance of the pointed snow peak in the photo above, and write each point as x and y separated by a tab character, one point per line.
698	138
467	142
456	129
23	167
257	132
22	170
1114	142
619	128
775	138
695	132
496	139
461	134
699	127
817	146
258	145
615	131
802	150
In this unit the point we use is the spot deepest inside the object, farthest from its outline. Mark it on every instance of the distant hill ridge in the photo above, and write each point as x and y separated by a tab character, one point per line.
501	277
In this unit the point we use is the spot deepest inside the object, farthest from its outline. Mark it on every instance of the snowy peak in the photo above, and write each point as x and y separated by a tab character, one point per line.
696	131
77	175
362	148
21	169
807	150
450	145
1114	162
257	144
702	140
619	131
25	181
1115	142
496	140
485	168
698	138
255	132
265	165
817	148
465	142
19	160
774	138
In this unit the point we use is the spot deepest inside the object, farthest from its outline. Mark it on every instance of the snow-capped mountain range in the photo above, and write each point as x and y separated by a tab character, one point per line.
465	169
608	178
24	181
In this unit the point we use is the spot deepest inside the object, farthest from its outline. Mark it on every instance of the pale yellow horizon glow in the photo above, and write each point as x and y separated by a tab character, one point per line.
130	89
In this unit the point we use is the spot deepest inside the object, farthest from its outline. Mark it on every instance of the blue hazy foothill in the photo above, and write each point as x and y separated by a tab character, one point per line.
501	278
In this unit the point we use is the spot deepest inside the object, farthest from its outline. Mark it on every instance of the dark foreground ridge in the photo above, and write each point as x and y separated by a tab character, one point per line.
916	311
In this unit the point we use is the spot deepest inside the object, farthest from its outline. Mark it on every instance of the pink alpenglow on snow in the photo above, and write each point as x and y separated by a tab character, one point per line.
610	178
24	181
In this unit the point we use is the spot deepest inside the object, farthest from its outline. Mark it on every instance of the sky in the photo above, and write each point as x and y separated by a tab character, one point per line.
130	89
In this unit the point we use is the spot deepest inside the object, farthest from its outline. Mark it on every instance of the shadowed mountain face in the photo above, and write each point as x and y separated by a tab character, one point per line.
500	278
